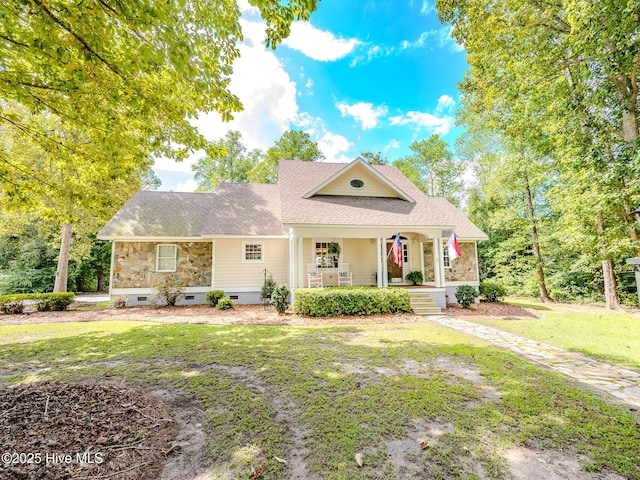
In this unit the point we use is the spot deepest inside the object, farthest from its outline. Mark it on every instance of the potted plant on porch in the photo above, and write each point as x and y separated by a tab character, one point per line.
415	277
334	248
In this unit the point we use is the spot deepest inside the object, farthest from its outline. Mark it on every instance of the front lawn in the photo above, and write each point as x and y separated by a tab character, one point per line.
412	400
609	336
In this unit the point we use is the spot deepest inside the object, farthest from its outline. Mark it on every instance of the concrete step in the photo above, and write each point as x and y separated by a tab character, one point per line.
423	304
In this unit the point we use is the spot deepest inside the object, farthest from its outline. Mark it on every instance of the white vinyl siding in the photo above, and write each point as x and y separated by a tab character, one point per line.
166	258
360	254
231	271
373	186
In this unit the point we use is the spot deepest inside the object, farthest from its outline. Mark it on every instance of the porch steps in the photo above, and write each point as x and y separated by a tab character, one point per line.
422	303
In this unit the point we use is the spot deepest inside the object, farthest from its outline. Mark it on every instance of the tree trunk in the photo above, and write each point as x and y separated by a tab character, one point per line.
100	281
542	286
79	284
610	294
63	259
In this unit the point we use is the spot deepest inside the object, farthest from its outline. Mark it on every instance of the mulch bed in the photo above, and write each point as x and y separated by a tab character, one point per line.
248	315
53	431
484	309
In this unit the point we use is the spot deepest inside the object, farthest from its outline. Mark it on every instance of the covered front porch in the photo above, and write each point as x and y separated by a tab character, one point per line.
366	251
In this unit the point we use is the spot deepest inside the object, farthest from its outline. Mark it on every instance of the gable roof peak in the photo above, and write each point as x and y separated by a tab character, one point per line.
355	164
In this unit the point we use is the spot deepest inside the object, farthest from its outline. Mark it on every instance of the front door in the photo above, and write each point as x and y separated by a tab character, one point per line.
397	273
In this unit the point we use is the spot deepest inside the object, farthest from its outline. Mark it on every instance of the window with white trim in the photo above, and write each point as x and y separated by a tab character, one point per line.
323	257
252	252
446	260
166	258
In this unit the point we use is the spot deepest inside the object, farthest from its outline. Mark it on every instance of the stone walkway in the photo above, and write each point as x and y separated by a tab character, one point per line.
612	379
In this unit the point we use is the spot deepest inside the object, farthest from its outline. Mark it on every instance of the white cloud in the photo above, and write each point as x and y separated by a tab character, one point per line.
445	103
335	147
169	165
363	112
428	121
428	8
309	86
434	38
270	104
392	145
318	44
186	186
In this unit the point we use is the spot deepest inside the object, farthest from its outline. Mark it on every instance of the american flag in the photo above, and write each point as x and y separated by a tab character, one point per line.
397	251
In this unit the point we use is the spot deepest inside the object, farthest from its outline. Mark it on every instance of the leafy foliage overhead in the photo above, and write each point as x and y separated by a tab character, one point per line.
121	66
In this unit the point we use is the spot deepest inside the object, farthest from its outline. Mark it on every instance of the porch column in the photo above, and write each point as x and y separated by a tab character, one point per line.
439	263
385	267
293	260
379	255
300	252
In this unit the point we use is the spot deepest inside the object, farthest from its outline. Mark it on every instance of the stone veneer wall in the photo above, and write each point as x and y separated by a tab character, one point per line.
429	267
465	267
135	265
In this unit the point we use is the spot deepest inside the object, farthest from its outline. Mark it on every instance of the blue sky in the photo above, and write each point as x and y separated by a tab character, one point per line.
362	75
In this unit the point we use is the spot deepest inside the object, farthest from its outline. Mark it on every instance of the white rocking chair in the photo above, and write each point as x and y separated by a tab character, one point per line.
344	275
313	276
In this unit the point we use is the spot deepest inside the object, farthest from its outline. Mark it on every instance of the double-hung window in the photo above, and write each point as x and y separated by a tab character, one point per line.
324	257
252	252
166	258
446	260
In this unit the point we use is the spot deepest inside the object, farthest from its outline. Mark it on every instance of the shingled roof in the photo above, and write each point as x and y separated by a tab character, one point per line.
243	209
233	209
298	178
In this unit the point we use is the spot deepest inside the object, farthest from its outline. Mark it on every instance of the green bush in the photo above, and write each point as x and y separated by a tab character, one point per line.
168	292
415	277
492	292
225	303
466	295
326	302
56	302
280	298
43	301
213	297
268	287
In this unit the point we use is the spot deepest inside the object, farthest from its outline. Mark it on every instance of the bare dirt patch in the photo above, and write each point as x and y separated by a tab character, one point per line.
526	463
54	431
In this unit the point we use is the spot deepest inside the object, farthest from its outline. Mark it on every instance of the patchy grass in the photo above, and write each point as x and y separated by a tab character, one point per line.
316	396
94	306
609	336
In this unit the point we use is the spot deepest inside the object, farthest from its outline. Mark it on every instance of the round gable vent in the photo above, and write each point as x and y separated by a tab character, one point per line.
357	183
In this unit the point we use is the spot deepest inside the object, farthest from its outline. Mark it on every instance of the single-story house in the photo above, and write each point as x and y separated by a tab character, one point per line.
231	238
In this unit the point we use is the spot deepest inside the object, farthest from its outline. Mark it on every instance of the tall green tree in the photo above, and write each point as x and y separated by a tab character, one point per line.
292	145
510	192
117	82
433	168
374	158
71	183
570	69
227	161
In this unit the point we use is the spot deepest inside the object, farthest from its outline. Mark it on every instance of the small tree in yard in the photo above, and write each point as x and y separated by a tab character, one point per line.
466	295
168	292
267	288
280	298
